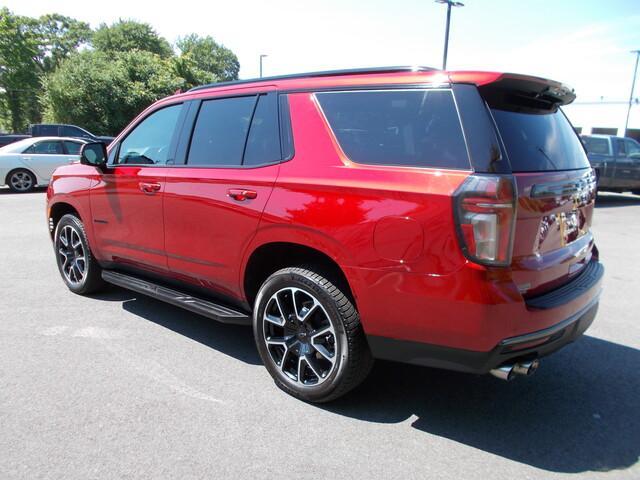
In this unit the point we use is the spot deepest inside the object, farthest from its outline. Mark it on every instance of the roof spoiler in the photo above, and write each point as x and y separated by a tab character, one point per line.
526	94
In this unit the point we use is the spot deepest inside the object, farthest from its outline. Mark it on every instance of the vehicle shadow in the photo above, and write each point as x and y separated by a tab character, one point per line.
233	340
578	413
7	191
609	200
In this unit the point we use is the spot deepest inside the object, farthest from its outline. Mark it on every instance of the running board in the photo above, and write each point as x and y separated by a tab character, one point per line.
203	307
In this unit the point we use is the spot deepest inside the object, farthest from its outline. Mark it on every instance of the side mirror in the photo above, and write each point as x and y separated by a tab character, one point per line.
635	156
94	154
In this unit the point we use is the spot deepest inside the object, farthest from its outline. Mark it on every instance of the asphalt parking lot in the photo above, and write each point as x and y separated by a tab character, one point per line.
122	386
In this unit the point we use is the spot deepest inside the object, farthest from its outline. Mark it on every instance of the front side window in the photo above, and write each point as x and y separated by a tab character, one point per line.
71	131
45	148
149	142
220	131
414	128
632	148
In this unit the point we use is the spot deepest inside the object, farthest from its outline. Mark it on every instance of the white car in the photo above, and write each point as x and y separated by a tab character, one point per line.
30	163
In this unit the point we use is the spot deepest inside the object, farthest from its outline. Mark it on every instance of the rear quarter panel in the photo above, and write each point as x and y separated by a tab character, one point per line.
379	224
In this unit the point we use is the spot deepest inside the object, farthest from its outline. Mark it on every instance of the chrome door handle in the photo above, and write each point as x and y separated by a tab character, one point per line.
149	188
241	194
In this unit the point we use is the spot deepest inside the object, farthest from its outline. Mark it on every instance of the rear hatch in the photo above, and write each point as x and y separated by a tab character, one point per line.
554	181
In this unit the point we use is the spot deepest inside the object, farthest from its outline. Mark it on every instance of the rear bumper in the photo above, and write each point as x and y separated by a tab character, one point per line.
532	345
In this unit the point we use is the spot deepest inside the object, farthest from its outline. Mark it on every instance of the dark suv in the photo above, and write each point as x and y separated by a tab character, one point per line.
436	218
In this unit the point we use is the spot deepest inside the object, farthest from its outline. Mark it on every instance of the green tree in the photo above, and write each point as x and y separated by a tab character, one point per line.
58	37
103	91
203	60
128	35
29	49
19	81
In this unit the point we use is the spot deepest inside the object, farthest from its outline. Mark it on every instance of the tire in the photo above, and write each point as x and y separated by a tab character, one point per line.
77	266
21	181
314	347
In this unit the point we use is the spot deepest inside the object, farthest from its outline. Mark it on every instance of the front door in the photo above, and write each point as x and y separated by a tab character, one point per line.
127	201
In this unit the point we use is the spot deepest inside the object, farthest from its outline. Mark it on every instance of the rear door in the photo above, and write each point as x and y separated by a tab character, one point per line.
213	202
556	193
44	157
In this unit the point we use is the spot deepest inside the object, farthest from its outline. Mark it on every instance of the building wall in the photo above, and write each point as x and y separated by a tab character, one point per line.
604	117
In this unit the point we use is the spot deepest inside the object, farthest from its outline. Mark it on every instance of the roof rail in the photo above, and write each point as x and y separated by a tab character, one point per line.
326	73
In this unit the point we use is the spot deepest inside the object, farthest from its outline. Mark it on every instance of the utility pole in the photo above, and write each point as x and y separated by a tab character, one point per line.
449	3
633	84
262	55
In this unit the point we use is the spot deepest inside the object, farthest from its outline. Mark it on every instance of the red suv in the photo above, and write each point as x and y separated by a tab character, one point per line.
435	218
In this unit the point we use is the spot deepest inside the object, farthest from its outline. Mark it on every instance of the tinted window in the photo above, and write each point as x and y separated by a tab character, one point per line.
597	145
631	147
45	148
73	148
69	131
149	142
263	143
46	130
408	128
220	131
540	142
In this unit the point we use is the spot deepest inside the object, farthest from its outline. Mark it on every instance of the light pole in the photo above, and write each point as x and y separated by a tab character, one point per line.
261	57
449	3
633	84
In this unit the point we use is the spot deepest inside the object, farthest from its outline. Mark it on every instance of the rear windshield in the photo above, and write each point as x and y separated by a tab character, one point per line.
397	127
540	142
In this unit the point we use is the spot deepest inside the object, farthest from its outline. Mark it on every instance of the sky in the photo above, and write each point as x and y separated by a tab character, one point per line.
585	44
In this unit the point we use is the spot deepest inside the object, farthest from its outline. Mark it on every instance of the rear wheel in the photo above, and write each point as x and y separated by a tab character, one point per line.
77	266
21	181
309	336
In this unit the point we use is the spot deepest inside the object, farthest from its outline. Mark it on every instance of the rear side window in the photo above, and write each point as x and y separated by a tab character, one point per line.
599	146
416	128
45	148
263	143
220	131
540	142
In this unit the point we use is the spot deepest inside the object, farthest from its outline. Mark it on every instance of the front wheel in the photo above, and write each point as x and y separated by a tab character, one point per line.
78	268
309	336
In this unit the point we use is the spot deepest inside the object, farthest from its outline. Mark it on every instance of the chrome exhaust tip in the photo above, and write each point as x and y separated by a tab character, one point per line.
509	371
504	372
526	368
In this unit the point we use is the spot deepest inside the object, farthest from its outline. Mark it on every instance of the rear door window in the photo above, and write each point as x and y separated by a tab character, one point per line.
45	148
413	128
540	142
220	132
263	142
597	145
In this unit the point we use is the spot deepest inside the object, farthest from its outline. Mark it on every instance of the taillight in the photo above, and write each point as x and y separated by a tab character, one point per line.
485	207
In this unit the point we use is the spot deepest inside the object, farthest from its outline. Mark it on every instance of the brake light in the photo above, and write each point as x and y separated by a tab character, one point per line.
485	207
